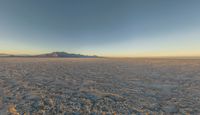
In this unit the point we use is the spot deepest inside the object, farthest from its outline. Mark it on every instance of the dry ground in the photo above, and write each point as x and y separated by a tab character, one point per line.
60	86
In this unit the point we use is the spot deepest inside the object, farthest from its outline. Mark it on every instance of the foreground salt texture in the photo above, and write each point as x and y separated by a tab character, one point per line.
57	86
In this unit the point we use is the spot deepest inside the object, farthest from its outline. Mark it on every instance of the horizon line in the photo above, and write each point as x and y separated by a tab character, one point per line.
150	56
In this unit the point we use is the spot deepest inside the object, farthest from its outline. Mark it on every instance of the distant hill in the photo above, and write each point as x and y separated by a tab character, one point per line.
65	54
2	54
53	55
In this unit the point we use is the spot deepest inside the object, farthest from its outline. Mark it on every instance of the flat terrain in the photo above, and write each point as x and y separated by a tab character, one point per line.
62	86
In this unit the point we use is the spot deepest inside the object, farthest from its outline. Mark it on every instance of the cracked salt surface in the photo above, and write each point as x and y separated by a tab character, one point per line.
60	86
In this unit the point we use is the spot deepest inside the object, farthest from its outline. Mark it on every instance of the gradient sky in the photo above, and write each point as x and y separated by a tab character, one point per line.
101	27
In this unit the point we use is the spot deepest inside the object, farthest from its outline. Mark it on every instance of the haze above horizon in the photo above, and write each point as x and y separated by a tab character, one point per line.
116	28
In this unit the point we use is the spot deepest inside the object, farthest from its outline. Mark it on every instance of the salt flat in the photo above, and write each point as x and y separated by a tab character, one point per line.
62	86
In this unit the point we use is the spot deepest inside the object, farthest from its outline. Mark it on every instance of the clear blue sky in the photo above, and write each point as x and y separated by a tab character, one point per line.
102	27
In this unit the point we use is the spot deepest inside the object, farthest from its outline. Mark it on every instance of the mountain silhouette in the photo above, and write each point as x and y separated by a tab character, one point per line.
65	54
53	55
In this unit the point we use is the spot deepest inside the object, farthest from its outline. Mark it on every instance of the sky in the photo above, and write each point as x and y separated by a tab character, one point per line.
114	28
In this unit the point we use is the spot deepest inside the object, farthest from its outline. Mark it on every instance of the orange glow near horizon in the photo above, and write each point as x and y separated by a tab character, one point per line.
119	54
17	52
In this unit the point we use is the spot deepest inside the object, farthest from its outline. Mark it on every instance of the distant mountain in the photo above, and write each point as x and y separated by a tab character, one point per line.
65	55
13	55
53	54
2	54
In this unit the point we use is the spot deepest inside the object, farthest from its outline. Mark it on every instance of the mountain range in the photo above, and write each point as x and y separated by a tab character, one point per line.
53	55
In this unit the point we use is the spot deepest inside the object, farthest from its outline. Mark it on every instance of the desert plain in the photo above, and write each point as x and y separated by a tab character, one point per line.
99	86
